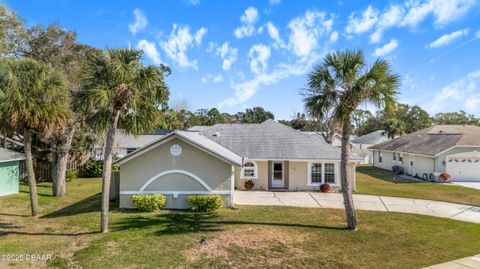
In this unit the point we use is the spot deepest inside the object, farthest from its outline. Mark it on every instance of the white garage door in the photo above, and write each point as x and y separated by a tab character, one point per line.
464	169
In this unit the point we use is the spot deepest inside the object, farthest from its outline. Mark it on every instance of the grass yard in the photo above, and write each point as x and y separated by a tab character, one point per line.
249	237
376	181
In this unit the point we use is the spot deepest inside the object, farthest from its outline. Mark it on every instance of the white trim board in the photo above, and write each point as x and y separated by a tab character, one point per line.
175	171
176	193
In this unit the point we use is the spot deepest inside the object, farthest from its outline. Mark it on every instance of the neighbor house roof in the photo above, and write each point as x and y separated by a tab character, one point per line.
270	140
434	140
7	155
194	138
319	135
124	140
372	138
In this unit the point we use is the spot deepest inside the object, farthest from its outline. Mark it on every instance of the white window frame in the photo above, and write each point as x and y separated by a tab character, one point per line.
380	157
255	171
316	184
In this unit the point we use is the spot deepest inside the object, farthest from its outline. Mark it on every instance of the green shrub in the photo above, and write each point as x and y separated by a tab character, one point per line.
205	203
71	175
149	202
93	169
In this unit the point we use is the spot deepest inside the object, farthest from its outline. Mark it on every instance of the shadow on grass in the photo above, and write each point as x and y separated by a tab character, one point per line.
187	222
5	233
90	204
384	175
39	194
14	215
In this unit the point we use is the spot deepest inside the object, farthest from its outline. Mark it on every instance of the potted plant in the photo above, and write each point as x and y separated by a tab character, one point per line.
249	184
325	187
445	176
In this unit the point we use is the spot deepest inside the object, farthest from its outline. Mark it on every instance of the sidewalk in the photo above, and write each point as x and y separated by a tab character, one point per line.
472	262
362	202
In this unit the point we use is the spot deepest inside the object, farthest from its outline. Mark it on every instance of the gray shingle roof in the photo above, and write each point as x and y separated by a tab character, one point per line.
194	138
270	140
7	155
123	140
433	140
372	138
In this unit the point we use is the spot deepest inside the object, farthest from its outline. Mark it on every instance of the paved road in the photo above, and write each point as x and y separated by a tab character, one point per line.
362	202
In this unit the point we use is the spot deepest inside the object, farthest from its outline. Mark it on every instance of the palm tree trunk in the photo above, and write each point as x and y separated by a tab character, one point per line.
107	168
345	177
62	160
30	173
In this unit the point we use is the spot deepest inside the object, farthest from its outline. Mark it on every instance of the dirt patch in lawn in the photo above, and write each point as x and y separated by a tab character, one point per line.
253	238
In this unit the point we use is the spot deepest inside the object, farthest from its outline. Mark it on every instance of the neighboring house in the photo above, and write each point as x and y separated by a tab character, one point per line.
336	140
127	143
222	157
362	143
429	152
9	171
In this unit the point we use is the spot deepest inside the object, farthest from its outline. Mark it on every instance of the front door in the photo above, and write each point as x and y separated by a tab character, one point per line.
277	175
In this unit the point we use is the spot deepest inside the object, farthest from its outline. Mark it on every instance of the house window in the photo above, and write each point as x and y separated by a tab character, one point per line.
380	157
400	157
329	173
249	170
316	173
394	156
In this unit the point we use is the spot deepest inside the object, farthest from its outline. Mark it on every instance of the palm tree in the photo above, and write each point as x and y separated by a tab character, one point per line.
394	127
335	90
117	90
32	98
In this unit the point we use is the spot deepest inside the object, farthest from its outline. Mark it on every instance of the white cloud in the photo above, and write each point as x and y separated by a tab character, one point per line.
150	50
460	94
274	34
274	2
447	38
334	37
178	43
228	54
211	78
140	21
306	30
199	35
444	11
391	17
248	19
194	2
358	25
247	89
259	55
387	48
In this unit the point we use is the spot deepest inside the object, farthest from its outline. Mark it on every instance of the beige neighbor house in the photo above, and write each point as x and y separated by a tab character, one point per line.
429	152
220	158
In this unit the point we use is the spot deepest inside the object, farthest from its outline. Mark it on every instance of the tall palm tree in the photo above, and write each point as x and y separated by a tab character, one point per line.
117	90
32	98
336	88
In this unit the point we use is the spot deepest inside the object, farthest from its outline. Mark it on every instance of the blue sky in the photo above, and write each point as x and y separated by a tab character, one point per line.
238	54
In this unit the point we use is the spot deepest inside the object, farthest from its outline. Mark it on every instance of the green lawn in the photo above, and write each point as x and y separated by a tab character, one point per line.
249	237
376	181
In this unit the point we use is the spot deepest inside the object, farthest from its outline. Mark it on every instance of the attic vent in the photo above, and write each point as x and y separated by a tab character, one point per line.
216	134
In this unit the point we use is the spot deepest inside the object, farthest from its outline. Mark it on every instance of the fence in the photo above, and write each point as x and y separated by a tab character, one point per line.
44	171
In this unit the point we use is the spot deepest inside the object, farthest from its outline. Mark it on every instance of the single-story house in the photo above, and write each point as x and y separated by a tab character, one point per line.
362	143
429	152
9	171
128	143
220	158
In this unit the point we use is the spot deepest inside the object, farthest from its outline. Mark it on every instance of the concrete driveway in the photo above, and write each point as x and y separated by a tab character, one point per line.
362	202
472	185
